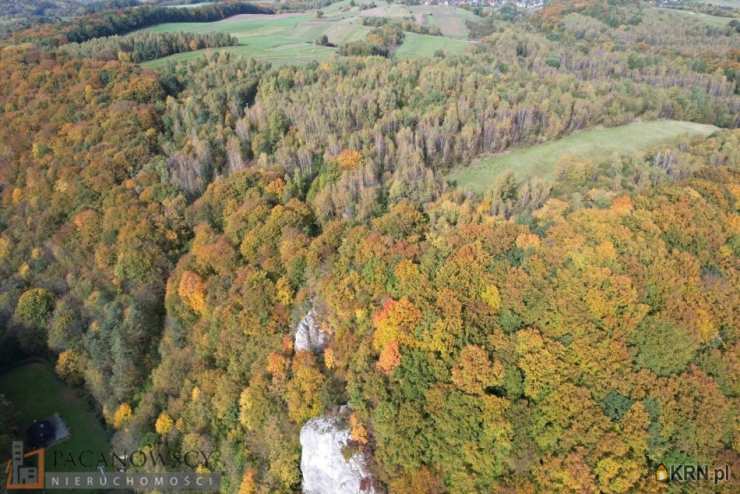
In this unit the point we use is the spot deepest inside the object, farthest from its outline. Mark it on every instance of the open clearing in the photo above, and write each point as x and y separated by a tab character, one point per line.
50	395
290	38
424	45
541	160
698	17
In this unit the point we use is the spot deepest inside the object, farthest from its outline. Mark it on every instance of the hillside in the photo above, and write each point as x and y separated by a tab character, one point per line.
291	38
376	247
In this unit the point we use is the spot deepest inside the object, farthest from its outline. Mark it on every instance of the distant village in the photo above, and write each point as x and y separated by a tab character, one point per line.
522	4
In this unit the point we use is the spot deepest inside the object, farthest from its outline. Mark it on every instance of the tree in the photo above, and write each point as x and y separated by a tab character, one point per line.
122	415
474	372
303	394
662	347
164	424
34	308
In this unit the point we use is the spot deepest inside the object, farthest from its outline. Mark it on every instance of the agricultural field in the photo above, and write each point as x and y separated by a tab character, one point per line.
697	17
52	396
735	4
189	5
542	160
424	45
291	38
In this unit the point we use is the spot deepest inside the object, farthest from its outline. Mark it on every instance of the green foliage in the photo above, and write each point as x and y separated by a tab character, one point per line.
34	308
143	46
662	347
615	405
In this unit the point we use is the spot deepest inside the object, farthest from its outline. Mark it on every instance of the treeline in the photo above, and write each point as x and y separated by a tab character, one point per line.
406	24
120	22
614	13
409	122
140	47
381	41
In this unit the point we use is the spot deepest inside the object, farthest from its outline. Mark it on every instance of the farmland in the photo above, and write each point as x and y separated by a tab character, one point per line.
291	38
695	17
542	160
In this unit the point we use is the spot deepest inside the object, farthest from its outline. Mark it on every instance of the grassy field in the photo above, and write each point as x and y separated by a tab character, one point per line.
450	20
684	15
541	160
735	4
290	38
424	45
37	393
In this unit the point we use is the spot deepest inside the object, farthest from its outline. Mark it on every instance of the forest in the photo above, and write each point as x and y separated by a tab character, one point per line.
163	232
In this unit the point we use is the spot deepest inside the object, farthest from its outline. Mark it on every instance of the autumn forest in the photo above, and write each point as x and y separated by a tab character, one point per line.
163	232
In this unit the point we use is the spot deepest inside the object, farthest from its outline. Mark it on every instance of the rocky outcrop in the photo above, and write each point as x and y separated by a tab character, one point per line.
308	335
325	467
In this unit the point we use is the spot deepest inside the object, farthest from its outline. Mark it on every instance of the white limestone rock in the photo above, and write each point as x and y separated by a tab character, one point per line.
324	467
308	336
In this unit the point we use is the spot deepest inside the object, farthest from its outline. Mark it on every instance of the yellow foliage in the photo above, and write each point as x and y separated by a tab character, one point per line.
4	247
284	291
195	394
302	394
705	325
329	358
164	424
605	250
474	371
360	315
69	365
61	185
526	240
192	291
17	195
122	415
24	270
276	187
492	297
395	322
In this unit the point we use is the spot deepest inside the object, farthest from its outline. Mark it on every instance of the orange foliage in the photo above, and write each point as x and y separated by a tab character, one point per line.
395	322
349	159
248	485
192	291
358	432
390	357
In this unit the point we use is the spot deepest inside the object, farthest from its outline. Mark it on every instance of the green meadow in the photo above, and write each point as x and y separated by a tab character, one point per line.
291	38
50	395
698	17
541	160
